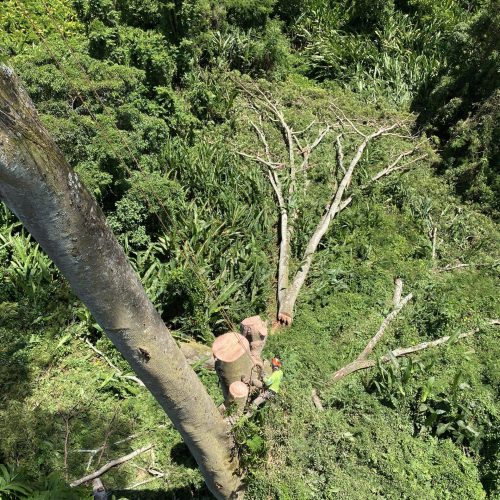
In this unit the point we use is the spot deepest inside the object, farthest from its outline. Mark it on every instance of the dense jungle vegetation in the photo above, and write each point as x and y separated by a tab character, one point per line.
144	98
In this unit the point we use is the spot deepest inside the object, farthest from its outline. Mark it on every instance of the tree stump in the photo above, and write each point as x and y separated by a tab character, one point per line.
98	490
232	360
238	395
255	330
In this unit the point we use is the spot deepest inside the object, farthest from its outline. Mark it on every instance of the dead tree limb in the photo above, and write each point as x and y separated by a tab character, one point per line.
387	320
402	351
361	361
287	305
289	178
120	374
110	465
316	401
453	267
398	291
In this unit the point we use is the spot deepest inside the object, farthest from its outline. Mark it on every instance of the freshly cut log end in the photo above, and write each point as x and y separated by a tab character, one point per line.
255	330
233	360
253	327
238	390
285	319
230	346
238	395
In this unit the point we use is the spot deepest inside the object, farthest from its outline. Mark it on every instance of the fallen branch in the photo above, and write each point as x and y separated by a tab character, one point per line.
398	291
110	465
403	351
316	401
361	361
132	378
150	470
387	320
140	483
452	267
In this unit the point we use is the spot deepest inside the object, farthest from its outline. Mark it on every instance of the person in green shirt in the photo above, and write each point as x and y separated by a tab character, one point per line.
272	383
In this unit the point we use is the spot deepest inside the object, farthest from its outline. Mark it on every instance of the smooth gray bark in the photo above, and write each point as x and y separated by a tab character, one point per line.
38	185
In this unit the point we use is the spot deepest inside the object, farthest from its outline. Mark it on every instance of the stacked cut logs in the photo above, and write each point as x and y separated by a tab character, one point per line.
238	361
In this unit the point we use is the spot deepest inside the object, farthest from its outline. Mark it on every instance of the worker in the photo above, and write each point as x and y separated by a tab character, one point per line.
272	383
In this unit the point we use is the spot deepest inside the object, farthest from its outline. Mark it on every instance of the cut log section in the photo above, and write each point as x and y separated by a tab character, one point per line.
255	331
238	395
196	353
232	360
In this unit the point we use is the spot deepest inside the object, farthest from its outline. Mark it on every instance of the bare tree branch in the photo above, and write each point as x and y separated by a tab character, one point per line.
262	136
375	339
401	351
379	175
111	464
307	150
340	153
262	103
120	374
300	132
285	313
316	400
258	159
361	361
452	267
433	236
343	118
398	292
284	253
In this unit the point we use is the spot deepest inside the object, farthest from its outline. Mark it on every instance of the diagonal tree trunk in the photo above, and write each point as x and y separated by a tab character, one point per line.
38	185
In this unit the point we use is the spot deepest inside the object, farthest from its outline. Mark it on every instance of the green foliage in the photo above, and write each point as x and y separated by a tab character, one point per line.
383	50
449	414
25	268
251	441
141	99
463	109
14	486
22	23
11	484
391	382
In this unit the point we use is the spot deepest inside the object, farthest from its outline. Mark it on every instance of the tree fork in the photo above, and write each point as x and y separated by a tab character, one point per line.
39	186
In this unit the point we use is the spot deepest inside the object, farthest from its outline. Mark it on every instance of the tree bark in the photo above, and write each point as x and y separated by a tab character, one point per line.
255	331
39	186
232	361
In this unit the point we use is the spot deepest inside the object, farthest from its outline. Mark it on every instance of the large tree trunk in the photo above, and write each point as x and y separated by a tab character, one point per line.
38	185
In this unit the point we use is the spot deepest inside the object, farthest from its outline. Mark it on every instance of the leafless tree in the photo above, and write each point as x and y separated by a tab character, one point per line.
289	178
